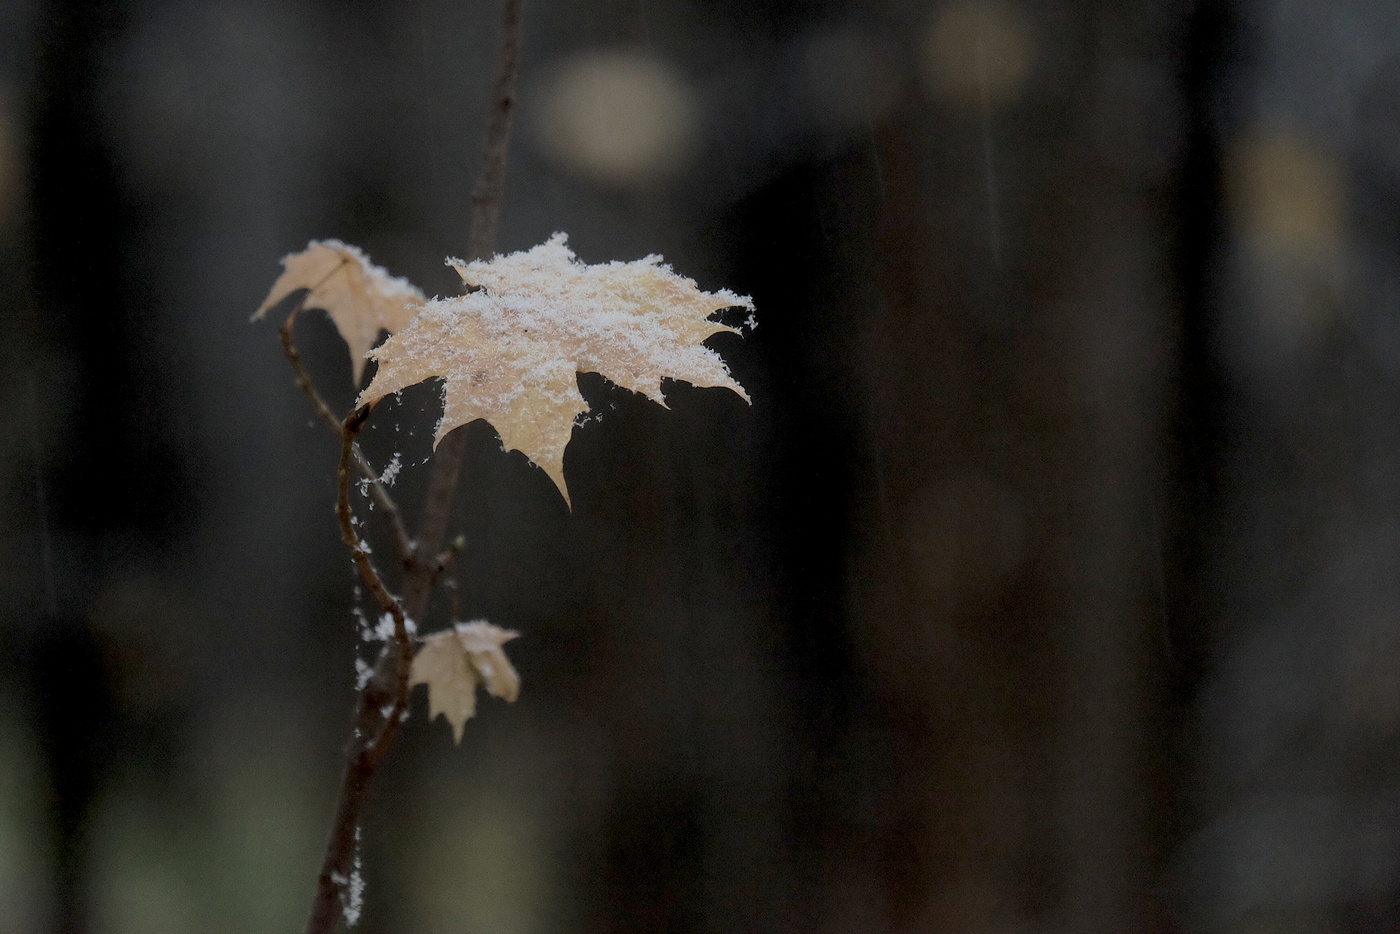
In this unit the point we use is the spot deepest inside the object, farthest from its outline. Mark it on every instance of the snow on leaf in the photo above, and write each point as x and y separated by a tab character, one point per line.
454	661
360	297
510	351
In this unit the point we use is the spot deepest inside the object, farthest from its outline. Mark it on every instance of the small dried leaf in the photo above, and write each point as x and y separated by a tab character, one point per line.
361	298
484	644
510	351
454	661
441	664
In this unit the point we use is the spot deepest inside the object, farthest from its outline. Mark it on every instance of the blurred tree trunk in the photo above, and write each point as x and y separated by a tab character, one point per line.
72	205
1009	569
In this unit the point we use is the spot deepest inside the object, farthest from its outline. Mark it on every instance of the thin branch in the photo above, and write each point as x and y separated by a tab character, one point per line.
481	243
437	510
383	701
491	183
447	560
377	719
448	556
454	597
359	551
384	503
385	695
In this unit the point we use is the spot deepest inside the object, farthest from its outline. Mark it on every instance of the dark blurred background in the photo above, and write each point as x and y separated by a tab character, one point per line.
1050	584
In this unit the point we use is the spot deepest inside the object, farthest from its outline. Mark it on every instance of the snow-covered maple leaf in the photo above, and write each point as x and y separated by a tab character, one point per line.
454	661
510	351
361	298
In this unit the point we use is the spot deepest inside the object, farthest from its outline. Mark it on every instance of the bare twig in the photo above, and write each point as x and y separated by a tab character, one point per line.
491	183
385	695
384	503
481	242
447	560
447	556
454	596
359	551
377	719
382	704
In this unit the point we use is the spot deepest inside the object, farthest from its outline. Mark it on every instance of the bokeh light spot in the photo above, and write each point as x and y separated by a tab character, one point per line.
978	53
618	118
1287	195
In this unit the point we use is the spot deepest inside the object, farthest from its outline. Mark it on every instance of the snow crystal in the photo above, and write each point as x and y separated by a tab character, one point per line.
352	890
391	470
367	633
384	629
386	477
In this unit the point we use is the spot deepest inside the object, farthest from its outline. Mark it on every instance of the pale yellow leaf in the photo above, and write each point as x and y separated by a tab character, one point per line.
454	661
441	664
361	298
484	645
510	351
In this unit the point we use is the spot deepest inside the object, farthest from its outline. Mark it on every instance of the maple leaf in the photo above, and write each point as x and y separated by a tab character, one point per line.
361	298
454	661
510	351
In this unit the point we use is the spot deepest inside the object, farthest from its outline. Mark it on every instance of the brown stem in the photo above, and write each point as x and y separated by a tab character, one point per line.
359	551
481	243
432	528
384	503
384	696
491	183
383	701
377	719
445	557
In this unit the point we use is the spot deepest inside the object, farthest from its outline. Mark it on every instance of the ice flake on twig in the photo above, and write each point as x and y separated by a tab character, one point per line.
391	470
355	902
363	672
361	622
384	629
387	477
352	890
